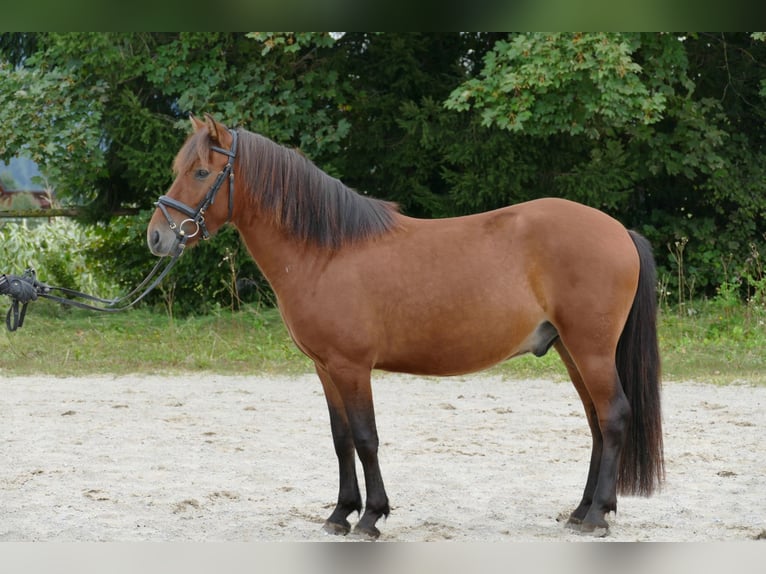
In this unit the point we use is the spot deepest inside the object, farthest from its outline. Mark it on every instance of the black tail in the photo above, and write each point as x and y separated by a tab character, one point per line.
642	467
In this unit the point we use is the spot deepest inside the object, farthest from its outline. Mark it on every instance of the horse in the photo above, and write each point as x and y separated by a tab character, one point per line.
361	286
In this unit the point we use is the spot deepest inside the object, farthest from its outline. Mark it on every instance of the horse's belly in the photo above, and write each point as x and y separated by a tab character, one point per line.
460	353
441	364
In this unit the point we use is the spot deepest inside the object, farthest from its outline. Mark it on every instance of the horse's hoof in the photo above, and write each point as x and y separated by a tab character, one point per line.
588	529
594	530
564	517
336	529
366	532
573	523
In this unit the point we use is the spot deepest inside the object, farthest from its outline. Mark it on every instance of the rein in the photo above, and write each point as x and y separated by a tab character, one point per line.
119	303
15	316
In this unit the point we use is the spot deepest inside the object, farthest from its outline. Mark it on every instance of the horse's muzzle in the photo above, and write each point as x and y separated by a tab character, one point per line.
161	243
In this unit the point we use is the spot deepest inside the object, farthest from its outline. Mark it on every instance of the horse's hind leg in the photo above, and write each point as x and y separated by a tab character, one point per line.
578	515
605	399
349	498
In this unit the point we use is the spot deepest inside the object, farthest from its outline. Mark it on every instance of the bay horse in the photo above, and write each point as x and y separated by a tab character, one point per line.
360	286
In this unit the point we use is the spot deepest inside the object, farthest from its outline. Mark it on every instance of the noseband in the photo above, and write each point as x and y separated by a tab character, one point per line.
197	216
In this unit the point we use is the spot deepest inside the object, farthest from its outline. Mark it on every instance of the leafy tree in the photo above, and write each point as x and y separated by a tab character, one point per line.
115	105
655	128
396	147
53	121
663	131
7	180
544	84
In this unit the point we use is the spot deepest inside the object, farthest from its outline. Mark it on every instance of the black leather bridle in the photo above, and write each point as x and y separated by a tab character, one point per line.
197	215
17	312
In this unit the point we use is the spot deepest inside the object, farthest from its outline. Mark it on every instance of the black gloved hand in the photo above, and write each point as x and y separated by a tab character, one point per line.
18	288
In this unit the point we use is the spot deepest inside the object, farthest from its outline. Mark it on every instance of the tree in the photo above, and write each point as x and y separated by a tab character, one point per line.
658	129
661	130
115	105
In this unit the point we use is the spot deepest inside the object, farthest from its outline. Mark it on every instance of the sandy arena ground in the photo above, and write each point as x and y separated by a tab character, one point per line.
203	457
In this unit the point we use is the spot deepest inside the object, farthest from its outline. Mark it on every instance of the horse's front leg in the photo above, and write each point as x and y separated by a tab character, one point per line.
353	385
349	498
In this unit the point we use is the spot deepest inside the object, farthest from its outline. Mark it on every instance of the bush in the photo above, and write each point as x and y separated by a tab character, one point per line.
57	251
212	274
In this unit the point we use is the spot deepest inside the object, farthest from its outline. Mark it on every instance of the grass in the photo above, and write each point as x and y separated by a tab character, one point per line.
706	341
75	342
715	343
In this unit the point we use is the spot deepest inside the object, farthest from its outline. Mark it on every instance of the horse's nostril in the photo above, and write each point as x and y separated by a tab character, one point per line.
154	238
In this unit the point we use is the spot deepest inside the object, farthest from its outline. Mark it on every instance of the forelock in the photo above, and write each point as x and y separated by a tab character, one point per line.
195	149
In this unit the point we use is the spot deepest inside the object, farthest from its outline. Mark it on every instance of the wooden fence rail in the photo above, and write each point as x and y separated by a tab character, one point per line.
59	212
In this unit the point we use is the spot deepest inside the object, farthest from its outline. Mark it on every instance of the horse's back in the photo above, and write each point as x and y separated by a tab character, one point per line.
458	295
551	244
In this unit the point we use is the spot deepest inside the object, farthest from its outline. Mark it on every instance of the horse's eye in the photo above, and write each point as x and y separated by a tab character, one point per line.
201	173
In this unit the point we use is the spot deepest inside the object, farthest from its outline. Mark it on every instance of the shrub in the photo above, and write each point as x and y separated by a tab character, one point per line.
212	274
56	250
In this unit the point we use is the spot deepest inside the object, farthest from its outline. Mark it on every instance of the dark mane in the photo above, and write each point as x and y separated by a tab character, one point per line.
303	200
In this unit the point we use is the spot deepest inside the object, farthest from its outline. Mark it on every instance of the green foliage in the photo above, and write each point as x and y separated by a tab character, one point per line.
482	170
56	124
104	113
396	147
57	251
7	180
280	90
544	84
663	131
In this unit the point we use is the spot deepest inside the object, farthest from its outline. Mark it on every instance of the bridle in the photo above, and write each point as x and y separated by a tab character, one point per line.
196	215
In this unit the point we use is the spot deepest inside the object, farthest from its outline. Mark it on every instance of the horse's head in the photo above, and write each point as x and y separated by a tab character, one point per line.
204	173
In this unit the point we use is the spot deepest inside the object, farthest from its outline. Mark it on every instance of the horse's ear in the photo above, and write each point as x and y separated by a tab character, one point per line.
212	128
195	122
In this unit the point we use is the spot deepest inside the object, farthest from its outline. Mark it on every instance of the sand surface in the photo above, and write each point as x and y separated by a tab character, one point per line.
202	457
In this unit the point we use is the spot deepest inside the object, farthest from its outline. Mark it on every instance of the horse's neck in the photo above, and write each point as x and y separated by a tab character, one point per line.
282	259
